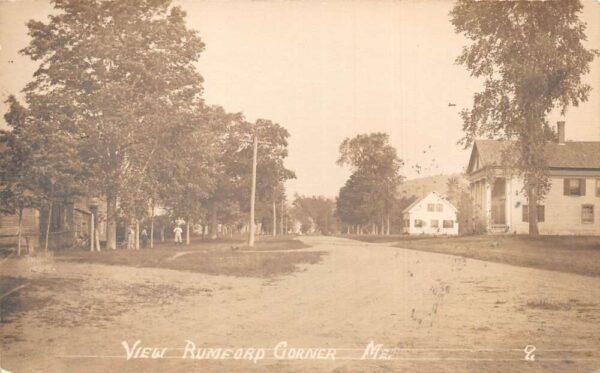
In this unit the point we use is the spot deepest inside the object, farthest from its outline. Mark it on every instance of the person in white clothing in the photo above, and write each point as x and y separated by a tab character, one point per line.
131	238
178	231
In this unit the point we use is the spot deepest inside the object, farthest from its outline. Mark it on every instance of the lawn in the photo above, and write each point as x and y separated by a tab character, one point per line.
572	254
270	257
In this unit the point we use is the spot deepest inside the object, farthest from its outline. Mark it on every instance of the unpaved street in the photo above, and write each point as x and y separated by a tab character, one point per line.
439	313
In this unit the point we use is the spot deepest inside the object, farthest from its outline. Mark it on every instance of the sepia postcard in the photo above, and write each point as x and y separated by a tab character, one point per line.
299	186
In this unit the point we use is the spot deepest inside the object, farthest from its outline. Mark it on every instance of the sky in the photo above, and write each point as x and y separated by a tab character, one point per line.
327	70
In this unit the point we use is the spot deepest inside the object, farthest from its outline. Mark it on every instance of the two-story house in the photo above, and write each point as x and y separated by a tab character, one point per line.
430	215
570	206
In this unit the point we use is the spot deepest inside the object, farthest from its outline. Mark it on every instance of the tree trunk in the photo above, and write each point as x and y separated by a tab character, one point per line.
213	221
274	219
137	234
533	211
48	226
187	231
162	234
388	225
152	227
19	230
111	220
92	231
281	218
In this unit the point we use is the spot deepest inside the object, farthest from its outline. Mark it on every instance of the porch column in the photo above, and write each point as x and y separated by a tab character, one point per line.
488	203
508	202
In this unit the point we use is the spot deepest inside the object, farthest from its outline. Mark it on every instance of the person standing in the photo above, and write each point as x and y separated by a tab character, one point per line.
144	238
178	231
131	238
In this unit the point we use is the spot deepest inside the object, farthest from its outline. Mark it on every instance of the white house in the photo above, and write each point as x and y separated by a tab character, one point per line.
570	206
432	214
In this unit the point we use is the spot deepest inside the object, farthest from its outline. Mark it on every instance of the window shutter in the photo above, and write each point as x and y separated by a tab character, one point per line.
583	186
566	187
541	213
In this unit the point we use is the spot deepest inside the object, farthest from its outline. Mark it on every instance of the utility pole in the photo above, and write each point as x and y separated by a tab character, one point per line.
253	193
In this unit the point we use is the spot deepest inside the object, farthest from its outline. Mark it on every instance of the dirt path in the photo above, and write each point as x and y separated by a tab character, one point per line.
446	313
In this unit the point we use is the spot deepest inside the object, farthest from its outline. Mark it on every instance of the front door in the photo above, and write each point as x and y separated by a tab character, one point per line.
498	211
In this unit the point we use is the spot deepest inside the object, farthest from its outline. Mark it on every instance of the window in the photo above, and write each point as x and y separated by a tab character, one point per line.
448	223
435	224
430	207
406	223
587	214
574	187
541	213
597	187
419	223
439	207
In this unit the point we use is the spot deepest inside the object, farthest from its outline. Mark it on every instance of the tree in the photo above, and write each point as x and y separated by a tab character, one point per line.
353	203
376	167
271	171
453	190
39	165
16	182
185	176
221	202
116	76
316	212
531	57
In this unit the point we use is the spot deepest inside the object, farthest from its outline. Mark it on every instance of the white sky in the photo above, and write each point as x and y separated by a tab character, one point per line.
330	70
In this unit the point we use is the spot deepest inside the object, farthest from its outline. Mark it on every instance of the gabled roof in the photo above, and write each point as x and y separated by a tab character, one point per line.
570	155
436	194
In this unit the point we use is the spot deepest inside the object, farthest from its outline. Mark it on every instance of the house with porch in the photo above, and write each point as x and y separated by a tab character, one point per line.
69	222
569	208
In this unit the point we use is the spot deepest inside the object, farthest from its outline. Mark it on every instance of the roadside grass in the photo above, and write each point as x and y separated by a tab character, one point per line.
383	239
571	254
548	306
270	257
86	305
571	304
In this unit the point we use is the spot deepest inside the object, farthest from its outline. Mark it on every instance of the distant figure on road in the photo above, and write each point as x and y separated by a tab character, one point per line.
131	238
144	238
178	231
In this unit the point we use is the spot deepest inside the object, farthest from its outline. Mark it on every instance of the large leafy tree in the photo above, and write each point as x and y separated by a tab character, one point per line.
184	175
116	76
271	171
221	204
39	165
16	158
376	174
531	57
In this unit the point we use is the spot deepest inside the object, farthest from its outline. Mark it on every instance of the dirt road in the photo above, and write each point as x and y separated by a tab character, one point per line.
434	312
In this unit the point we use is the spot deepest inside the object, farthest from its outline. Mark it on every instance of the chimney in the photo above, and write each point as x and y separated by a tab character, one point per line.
560	125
